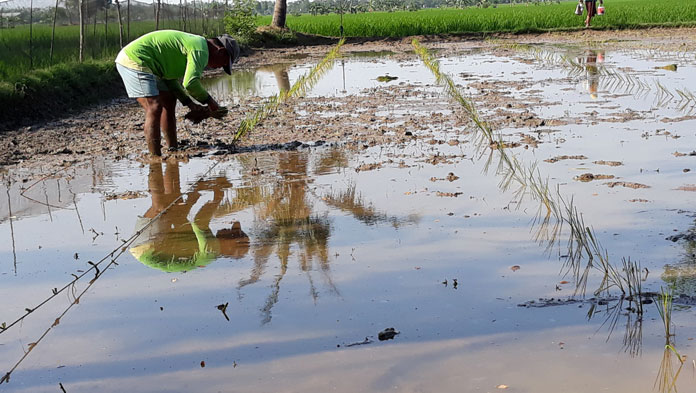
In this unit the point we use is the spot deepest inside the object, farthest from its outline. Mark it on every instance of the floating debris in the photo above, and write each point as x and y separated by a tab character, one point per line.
386	78
668	67
363	342
223	308
387	334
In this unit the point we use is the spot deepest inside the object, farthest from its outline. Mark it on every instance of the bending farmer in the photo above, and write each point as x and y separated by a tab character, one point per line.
151	67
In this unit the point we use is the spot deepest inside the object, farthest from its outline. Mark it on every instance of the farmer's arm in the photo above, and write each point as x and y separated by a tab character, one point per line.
195	63
178	91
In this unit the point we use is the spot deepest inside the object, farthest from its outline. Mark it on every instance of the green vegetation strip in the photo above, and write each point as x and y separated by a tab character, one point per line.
299	88
44	93
519	18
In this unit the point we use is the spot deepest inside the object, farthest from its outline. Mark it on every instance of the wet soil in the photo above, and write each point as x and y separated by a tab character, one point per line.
114	130
357	211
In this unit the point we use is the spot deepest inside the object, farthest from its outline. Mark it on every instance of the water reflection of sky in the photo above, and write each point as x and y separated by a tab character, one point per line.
330	255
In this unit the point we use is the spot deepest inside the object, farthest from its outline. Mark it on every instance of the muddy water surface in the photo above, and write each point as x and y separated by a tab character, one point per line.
277	270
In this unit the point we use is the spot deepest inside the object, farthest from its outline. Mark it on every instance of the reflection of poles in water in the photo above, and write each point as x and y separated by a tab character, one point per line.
343	68
14	247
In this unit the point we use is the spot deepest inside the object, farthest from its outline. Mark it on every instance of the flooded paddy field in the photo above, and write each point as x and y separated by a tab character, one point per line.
369	236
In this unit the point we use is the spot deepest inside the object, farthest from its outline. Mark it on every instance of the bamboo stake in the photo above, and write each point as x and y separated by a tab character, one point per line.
53	33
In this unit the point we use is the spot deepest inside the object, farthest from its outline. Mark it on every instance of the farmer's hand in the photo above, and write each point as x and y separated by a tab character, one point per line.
212	104
198	113
219	113
197	108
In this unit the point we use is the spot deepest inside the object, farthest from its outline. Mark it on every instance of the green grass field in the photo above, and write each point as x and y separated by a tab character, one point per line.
20	81
100	44
620	14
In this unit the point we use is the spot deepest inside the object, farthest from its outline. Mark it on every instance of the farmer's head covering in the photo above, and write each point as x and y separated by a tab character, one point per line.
232	48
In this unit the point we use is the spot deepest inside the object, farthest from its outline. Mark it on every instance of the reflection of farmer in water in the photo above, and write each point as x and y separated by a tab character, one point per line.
173	243
591	59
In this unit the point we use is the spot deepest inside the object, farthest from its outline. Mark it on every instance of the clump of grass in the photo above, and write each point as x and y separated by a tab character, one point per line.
42	93
299	88
666	380
664	308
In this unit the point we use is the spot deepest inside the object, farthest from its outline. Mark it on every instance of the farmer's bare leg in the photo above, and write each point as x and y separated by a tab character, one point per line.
590	7
168	118
153	112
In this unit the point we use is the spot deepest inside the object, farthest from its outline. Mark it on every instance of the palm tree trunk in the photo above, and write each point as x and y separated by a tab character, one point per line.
279	14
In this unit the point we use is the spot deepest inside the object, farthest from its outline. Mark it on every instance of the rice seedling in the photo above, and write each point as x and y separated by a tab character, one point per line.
583	245
666	377
299	88
664	308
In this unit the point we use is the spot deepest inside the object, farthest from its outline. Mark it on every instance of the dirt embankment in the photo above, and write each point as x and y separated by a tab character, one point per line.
114	129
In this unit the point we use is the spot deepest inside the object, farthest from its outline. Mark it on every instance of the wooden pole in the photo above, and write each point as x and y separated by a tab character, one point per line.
82	30
157	14
128	21
53	33
106	27
120	24
31	34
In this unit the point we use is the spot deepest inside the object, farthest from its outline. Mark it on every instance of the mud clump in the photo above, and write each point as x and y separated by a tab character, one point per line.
626	184
504	145
610	163
125	195
587	177
450	178
448	194
564	157
689	236
687	187
369	167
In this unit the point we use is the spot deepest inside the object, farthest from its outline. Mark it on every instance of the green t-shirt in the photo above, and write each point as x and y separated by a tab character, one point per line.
172	55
